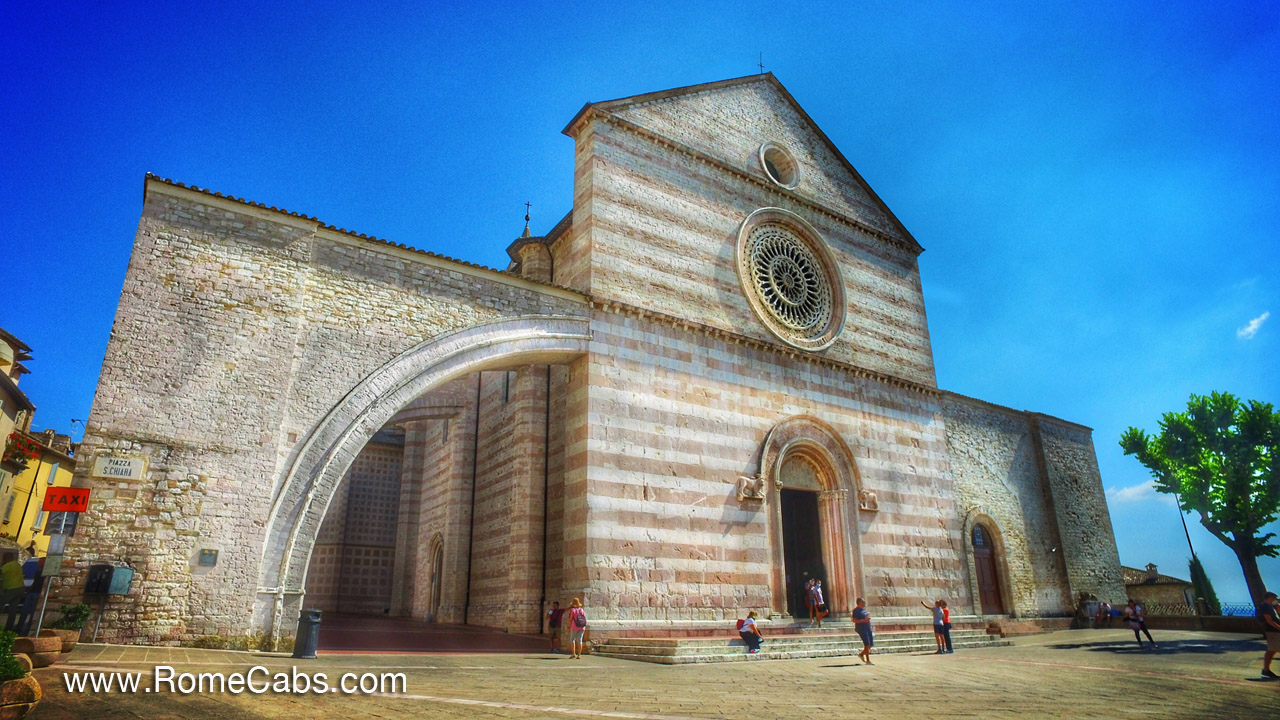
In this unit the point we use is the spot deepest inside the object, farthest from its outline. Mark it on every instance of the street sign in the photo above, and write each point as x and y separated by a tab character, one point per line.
65	499
52	565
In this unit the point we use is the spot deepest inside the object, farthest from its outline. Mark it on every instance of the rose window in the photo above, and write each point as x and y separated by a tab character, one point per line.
790	279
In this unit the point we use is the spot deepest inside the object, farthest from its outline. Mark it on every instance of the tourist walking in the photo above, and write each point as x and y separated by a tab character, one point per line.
1137	623
939	620
819	602
32	571
554	616
809	600
577	627
749	631
862	623
946	625
1270	618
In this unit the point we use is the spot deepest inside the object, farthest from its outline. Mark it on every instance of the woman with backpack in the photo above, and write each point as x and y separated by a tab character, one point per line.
750	633
577	627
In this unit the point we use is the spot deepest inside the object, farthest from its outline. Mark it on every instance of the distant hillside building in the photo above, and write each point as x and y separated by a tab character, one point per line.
1151	587
707	384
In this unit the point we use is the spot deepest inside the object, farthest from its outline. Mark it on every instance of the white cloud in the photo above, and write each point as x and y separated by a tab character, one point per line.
1248	331
1140	493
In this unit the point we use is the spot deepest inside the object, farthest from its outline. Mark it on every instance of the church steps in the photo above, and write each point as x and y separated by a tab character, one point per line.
681	651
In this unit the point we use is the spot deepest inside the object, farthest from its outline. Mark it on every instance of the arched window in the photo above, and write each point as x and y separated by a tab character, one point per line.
980	537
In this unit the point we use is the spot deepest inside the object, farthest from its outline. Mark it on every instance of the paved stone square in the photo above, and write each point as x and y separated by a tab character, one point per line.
1069	674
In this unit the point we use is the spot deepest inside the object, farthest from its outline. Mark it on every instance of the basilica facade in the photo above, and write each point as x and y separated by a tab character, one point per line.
709	383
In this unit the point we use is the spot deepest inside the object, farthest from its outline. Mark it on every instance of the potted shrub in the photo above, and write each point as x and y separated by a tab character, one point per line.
67	628
19	691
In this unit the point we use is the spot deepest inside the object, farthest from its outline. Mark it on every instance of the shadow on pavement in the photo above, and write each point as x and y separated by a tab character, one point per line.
1171	647
363	633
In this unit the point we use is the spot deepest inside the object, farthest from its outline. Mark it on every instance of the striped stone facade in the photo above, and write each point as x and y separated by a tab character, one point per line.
610	418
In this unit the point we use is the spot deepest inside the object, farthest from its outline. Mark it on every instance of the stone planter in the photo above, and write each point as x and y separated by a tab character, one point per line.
23	660
69	638
43	651
12	467
18	697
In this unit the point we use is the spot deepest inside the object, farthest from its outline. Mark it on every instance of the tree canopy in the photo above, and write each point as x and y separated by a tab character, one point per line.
1219	459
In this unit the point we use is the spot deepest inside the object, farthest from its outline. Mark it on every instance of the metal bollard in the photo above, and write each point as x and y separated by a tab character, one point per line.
307	640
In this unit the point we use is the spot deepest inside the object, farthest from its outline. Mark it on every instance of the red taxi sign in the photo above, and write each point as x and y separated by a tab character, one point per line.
65	499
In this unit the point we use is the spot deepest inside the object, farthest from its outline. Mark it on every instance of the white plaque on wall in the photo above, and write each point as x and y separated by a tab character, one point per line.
119	468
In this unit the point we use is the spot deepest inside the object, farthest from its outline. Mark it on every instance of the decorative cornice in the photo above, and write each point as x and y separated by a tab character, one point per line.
759	181
692	326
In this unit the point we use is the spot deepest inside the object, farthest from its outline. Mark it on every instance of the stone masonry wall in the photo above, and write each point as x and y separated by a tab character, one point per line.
678	417
238	328
996	472
1084	523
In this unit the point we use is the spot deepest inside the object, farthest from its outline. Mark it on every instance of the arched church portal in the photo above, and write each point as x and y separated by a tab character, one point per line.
812	480
988	571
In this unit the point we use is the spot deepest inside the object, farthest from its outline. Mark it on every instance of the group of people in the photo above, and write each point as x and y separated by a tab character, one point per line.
20	587
577	622
22	583
749	629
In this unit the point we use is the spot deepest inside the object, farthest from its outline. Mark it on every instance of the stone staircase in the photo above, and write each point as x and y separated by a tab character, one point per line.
682	651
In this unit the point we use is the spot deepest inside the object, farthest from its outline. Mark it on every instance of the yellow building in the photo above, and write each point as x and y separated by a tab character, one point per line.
25	480
22	519
15	408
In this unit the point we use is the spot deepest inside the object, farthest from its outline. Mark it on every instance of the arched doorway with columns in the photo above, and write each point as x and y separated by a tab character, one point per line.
811	481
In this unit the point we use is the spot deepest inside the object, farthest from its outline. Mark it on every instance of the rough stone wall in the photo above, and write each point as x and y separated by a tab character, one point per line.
656	218
996	472
238	328
678	417
1162	594
1084	523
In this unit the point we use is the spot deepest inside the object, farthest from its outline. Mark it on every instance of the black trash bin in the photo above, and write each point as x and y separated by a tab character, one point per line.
307	640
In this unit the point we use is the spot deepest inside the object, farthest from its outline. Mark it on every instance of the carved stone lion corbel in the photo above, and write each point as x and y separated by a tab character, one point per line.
750	488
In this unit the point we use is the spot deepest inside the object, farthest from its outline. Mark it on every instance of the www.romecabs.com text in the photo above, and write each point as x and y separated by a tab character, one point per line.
256	680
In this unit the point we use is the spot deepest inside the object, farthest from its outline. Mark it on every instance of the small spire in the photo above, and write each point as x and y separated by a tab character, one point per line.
526	221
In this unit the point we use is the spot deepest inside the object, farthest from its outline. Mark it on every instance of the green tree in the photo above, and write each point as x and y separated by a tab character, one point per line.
1219	459
1200	581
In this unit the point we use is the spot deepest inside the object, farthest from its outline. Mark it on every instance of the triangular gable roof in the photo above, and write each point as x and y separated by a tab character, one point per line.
611	106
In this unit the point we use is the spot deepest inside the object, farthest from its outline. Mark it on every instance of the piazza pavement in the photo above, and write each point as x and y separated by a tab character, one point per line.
1067	674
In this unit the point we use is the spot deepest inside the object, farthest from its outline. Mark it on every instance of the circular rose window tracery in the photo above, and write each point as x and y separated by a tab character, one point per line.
790	279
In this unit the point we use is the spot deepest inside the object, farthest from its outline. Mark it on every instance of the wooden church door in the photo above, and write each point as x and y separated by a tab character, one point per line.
984	560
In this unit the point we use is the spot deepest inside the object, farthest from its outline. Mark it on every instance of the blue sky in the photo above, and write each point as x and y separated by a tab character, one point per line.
1097	186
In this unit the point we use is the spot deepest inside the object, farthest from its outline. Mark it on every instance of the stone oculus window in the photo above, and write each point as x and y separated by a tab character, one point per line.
791	279
779	165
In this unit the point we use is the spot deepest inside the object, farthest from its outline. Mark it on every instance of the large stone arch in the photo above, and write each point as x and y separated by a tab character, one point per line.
808	437
308	484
